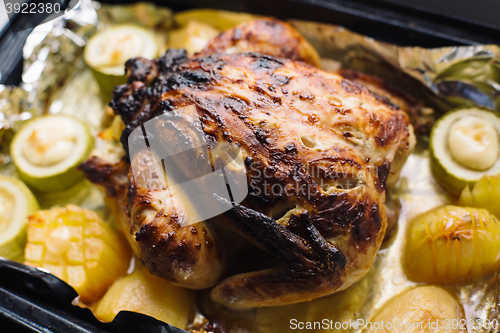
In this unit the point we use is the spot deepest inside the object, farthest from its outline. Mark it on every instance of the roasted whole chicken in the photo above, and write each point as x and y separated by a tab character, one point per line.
330	145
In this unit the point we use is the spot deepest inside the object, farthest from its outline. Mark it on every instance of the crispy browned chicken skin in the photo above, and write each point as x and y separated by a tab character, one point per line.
266	36
328	141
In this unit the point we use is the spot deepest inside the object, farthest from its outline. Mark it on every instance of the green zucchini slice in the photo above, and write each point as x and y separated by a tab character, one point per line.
464	146
16	204
108	50
47	150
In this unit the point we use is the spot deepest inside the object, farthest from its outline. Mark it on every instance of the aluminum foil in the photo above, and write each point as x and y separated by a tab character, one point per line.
56	80
445	77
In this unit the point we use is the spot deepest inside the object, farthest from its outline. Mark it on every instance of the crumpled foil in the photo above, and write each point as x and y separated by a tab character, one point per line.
445	77
56	80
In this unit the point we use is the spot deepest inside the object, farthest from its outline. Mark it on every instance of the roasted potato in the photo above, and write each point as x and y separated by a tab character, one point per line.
77	247
148	294
421	309
452	244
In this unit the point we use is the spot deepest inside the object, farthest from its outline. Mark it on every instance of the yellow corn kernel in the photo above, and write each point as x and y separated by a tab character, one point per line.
77	247
452	244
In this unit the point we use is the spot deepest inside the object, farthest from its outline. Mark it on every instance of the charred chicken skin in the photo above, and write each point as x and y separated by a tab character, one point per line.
317	150
266	36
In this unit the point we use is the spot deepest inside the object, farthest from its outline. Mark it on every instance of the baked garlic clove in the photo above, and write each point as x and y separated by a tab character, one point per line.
473	142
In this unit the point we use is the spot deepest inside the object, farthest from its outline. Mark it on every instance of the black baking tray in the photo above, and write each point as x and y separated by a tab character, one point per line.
34	301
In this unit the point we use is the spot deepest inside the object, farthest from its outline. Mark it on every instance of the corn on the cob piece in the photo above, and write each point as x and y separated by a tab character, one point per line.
77	247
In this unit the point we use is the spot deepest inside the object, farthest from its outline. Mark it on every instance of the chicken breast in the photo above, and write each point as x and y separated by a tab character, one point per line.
317	152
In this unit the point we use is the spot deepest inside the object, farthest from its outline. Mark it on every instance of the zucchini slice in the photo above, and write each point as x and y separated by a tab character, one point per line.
16	204
464	146
107	51
47	150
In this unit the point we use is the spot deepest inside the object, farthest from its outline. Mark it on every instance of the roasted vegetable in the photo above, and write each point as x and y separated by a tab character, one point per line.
464	145
114	131
148	294
452	244
219	19
16	204
421	309
193	37
484	194
107	51
77	247
144	13
46	151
